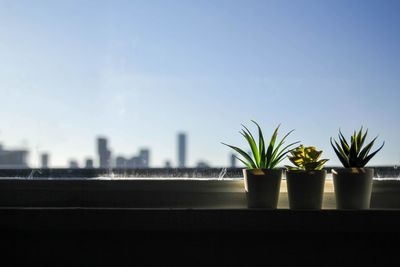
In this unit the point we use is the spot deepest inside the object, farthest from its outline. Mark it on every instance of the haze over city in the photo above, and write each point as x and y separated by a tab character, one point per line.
140	72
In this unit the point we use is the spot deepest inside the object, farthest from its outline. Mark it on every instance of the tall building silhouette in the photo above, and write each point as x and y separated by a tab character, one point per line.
104	153
44	158
233	160
89	163
182	150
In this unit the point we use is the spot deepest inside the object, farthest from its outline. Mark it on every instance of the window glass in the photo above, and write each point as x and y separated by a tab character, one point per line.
140	84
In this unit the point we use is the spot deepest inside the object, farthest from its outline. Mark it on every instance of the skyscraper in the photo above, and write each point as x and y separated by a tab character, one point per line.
104	153
45	160
181	150
233	160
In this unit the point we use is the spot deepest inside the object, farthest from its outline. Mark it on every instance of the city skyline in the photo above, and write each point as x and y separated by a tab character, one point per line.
105	158
140	71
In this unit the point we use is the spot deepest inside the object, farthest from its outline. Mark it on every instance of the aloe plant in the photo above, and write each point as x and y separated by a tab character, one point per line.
306	158
352	154
262	156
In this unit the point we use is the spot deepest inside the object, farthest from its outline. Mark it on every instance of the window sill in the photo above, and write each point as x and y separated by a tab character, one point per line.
153	193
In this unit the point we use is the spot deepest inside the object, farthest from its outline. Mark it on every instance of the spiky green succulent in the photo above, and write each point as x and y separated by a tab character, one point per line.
353	154
306	158
261	156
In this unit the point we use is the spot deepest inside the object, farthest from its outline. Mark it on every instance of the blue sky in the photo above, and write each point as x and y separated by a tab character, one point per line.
139	72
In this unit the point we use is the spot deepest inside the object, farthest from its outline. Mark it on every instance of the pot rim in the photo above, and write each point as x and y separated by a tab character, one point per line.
263	171
274	169
306	171
352	170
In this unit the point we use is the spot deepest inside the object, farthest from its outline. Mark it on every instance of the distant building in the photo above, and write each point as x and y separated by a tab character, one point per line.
44	160
89	164
182	150
144	156
13	158
233	160
121	162
104	153
73	164
135	162
202	165
167	164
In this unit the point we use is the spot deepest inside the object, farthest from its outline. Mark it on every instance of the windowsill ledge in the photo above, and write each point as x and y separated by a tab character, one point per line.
153	193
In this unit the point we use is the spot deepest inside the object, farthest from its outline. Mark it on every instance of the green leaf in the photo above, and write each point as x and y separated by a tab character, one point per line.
342	157
253	146
363	138
277	150
364	153
353	151
291	168
339	148
244	154
306	158
282	151
311	165
294	161
345	145
321	164
261	145
245	163
271	146
276	162
281	155
359	139
313	155
365	161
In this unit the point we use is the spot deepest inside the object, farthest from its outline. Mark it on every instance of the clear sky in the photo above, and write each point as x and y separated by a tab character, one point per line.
139	72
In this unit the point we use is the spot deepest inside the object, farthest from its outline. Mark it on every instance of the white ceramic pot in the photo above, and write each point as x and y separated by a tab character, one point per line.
262	187
353	187
305	189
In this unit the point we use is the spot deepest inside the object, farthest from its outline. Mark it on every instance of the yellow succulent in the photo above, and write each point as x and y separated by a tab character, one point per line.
306	158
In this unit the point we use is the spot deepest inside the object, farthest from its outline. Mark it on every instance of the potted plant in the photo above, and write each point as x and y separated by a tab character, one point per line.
353	183
306	180
262	178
